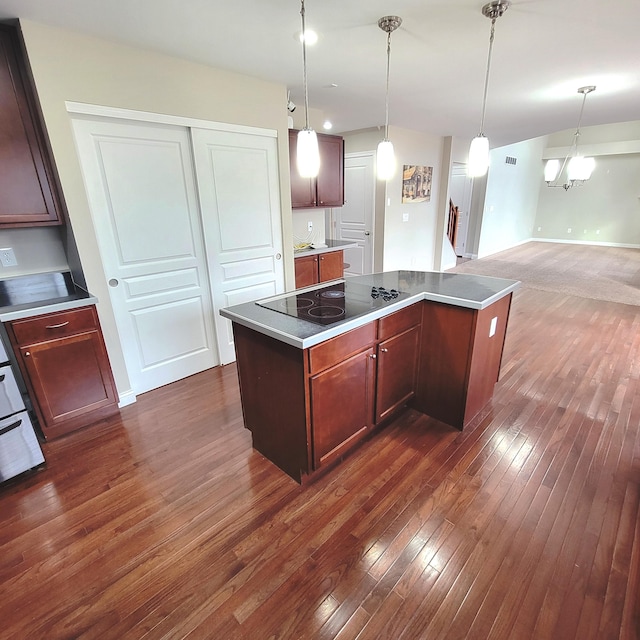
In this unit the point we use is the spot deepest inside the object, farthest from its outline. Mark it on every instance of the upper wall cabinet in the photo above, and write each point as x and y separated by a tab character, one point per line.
327	190
28	194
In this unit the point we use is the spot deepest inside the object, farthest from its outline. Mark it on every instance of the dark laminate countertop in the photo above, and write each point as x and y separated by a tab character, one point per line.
461	290
36	294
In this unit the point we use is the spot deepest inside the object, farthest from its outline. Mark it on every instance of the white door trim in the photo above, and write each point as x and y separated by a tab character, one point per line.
82	108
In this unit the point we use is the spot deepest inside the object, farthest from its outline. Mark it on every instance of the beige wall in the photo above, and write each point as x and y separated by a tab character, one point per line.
68	66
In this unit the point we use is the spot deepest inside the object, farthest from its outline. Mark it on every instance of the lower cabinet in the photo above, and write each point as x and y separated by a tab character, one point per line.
64	361
342	406
307	408
317	268
397	372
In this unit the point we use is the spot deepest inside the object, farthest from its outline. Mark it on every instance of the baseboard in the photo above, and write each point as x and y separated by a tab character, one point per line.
621	245
126	398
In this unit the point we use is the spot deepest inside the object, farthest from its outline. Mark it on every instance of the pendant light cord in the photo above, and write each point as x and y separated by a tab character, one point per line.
304	68
486	78
386	115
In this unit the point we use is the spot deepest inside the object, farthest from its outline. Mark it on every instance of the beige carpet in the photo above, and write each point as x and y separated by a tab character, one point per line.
601	273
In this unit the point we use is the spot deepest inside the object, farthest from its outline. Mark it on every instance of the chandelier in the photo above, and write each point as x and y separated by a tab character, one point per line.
579	168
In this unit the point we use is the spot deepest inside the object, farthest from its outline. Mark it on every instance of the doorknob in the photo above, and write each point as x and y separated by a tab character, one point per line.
278	256
366	233
113	282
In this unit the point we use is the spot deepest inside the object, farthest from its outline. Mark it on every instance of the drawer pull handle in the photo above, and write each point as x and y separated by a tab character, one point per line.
27	354
11	427
57	326
384	350
372	356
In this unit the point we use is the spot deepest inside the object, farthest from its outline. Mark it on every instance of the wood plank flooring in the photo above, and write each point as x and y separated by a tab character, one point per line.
165	523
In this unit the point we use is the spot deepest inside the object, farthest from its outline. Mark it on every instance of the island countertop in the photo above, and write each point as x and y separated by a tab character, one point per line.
461	290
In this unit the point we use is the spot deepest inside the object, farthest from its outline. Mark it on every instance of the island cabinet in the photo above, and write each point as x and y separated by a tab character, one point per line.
398	358
308	407
64	361
327	190
460	358
318	268
28	184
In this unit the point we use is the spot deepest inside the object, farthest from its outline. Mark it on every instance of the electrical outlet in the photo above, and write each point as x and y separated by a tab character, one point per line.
309	226
405	217
8	258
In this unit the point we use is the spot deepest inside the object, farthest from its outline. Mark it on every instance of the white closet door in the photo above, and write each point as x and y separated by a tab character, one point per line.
238	186
142	194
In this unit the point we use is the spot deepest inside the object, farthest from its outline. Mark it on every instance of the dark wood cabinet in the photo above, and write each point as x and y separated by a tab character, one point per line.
64	360
28	186
318	268
461	353
397	372
327	190
342	406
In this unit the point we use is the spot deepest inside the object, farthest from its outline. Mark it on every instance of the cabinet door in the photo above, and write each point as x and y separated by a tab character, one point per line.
330	181
397	371
341	406
330	266
303	190
26	176
71	381
306	271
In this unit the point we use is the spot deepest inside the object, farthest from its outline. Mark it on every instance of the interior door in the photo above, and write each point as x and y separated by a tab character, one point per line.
354	220
240	201
460	191
142	195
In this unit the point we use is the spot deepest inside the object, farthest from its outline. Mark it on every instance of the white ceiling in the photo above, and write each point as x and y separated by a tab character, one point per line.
543	51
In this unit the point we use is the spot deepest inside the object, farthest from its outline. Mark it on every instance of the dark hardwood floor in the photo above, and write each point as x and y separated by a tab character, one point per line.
166	524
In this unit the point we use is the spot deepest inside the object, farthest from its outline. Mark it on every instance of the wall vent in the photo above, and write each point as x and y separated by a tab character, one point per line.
510	160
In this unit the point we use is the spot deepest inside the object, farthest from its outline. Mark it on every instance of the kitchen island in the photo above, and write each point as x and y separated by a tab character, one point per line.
321	367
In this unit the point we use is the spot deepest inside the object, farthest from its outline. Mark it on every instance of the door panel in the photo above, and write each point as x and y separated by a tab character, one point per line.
143	201
238	187
354	220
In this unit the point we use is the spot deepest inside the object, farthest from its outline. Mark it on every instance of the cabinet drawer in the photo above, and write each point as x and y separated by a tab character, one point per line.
54	325
339	348
400	321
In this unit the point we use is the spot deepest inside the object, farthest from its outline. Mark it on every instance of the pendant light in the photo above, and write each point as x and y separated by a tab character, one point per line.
479	149
579	168
307	152
385	158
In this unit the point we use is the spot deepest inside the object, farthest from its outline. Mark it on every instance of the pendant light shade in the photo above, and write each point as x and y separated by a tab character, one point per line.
385	156
478	162
551	169
385	160
307	151
580	168
479	150
308	154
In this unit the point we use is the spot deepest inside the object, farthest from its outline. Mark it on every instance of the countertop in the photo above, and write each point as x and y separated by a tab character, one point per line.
332	245
37	294
462	290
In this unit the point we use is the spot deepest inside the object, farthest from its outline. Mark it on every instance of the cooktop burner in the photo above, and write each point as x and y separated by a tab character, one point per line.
341	301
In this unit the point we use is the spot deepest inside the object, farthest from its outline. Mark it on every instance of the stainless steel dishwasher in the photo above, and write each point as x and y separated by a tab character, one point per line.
19	446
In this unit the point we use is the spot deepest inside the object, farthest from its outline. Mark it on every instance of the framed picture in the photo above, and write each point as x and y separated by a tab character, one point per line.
416	183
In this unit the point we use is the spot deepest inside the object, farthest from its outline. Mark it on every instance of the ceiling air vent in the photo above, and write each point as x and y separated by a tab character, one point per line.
510	160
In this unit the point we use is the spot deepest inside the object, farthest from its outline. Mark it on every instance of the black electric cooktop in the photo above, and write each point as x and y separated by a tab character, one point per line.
335	302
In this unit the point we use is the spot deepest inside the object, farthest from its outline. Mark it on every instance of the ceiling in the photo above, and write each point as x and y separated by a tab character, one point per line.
543	51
